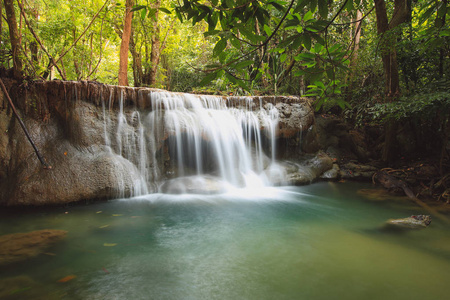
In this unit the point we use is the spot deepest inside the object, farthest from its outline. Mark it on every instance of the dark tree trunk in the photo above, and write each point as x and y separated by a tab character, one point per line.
14	37
390	66
137	62
439	23
388	53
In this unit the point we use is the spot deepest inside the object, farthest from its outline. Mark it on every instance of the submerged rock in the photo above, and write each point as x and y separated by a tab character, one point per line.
21	246
413	222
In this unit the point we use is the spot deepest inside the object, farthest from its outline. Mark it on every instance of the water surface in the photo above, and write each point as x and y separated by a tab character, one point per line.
315	242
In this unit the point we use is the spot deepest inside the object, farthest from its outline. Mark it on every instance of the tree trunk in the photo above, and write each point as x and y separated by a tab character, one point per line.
156	47
439	23
389	57
387	44
357	37
388	54
14	37
1	23
137	62
124	46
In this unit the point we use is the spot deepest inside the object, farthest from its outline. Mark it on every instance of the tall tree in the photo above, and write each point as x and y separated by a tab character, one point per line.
390	66
13	36
387	44
156	47
124	46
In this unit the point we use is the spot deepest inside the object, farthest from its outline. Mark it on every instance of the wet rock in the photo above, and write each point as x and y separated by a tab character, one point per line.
339	140
22	246
413	222
331	174
300	172
357	171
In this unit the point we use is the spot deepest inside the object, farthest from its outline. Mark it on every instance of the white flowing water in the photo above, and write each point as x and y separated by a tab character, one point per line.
192	137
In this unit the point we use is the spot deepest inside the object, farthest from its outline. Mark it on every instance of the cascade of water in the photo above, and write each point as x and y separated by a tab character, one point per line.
196	135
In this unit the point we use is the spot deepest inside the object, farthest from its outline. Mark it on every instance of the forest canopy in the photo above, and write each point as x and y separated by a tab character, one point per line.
343	53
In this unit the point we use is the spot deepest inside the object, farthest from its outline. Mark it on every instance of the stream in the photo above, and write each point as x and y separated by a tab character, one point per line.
321	241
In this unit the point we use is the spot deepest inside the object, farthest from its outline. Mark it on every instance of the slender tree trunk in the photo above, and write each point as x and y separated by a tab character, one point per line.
355	34
357	37
389	58
124	46
137	62
13	36
439	23
156	47
1	22
388	55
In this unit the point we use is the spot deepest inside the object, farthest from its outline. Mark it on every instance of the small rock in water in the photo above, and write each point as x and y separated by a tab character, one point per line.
413	222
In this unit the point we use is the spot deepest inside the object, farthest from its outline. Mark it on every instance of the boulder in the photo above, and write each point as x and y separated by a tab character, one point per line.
413	222
22	246
301	172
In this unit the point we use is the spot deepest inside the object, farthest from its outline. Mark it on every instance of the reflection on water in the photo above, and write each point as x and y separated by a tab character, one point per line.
313	242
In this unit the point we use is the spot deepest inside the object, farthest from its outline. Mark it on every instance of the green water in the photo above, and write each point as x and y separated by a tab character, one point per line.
315	242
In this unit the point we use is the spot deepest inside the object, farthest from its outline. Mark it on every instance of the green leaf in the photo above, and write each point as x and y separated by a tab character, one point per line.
427	14
267	30
283	57
319	39
307	41
308	16
208	78
220	46
323	8
210	32
235	42
230	78
313	5
138	7
297	42
300	73
165	10
301	4
277	5
239	66
349	5
320	84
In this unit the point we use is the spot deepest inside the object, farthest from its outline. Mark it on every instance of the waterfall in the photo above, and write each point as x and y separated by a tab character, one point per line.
192	143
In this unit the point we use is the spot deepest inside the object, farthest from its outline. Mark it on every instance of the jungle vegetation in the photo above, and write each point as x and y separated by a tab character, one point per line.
376	62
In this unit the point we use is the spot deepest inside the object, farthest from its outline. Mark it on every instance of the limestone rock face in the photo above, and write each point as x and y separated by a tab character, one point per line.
67	123
21	246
